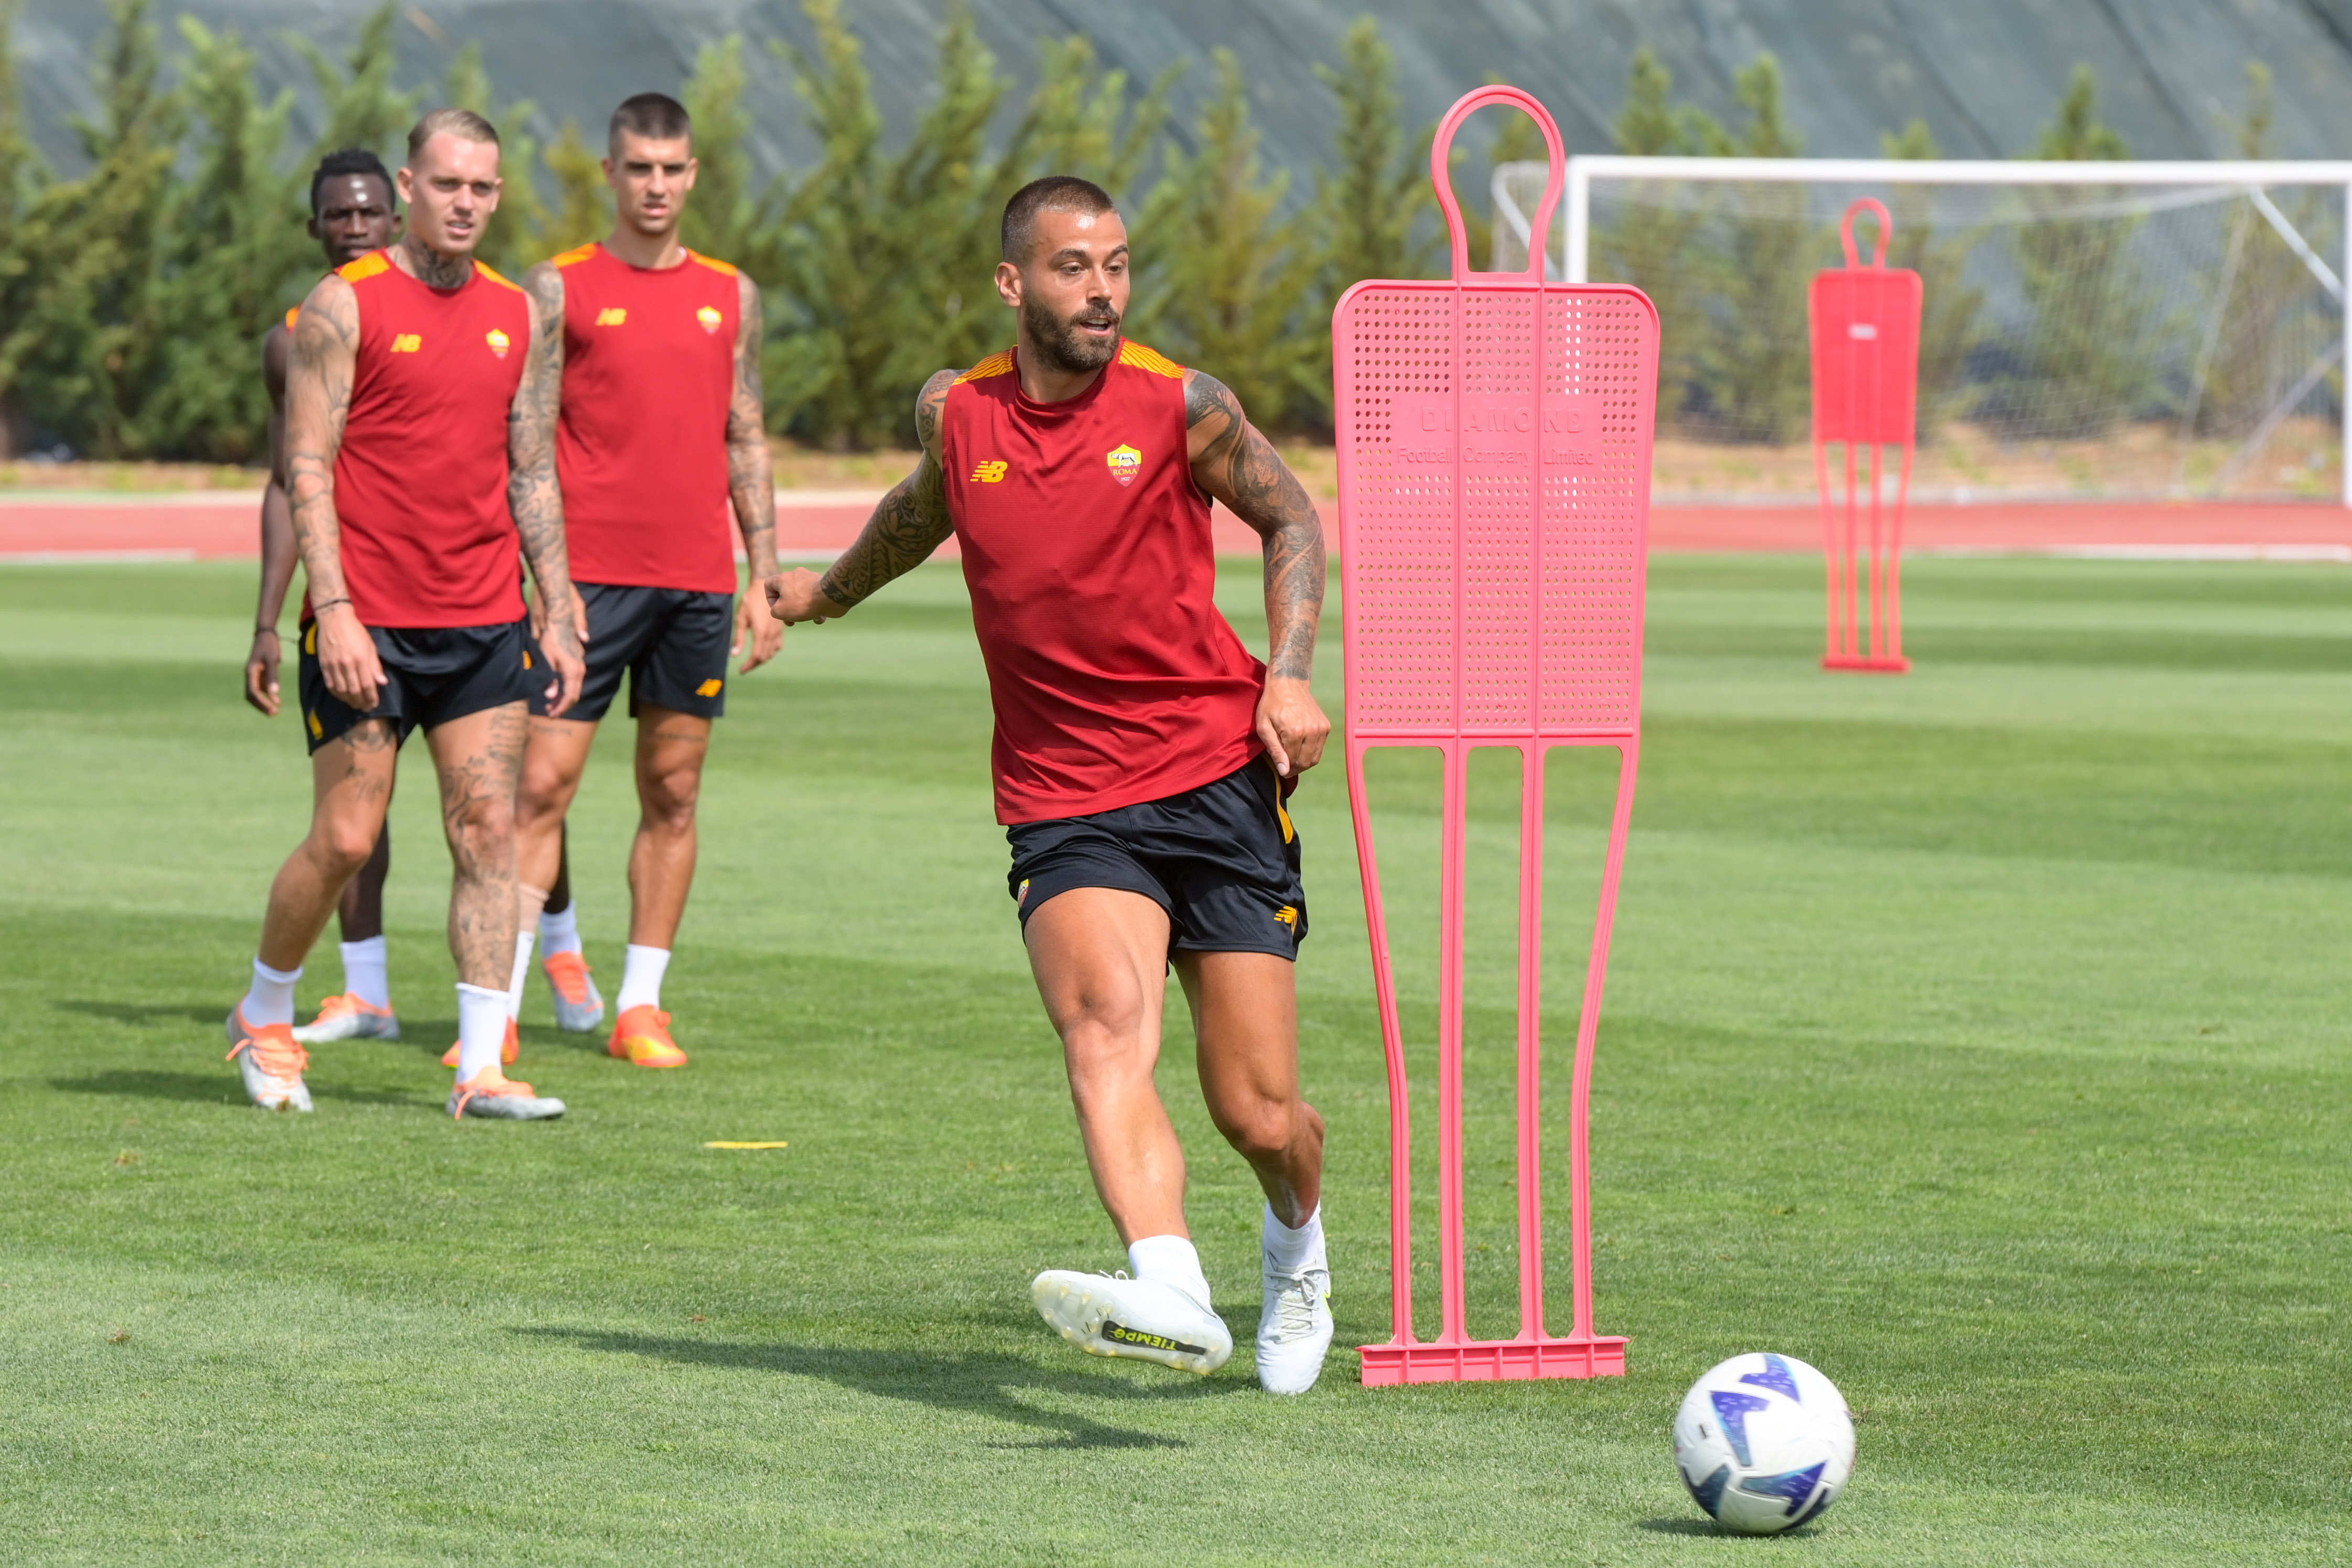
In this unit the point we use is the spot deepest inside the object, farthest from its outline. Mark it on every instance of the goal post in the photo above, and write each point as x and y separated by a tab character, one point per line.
2128	330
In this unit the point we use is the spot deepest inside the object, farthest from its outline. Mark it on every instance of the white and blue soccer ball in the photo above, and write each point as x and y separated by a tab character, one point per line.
1764	1442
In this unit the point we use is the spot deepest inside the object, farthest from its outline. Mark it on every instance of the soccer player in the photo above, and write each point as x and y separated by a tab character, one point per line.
662	427
352	213
1142	757
419	423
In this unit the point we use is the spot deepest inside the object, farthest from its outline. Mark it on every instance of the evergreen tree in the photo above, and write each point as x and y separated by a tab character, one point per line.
1079	120
71	315
862	333
1755	363
2093	356
2259	287
1655	243
362	109
19	169
1226	275
512	241
1950	307
726	218
234	254
1373	204
1372	207
584	202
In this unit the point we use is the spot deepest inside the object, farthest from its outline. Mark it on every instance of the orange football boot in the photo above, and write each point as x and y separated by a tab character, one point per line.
347	1016
579	1006
508	1053
642	1038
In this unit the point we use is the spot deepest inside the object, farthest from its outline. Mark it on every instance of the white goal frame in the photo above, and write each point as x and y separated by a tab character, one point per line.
2241	177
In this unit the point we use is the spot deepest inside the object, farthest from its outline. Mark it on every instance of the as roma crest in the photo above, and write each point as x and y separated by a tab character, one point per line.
1126	462
709	318
498	341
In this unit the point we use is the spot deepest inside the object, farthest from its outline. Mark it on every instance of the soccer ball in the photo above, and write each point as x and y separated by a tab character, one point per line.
1764	1443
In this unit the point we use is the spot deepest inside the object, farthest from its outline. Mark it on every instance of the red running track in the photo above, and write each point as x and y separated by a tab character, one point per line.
209	528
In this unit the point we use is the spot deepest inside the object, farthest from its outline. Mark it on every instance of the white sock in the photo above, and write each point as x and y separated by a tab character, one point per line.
641	980
481	1030
523	940
1289	1252
1169	1260
271	1000
559	932
364	972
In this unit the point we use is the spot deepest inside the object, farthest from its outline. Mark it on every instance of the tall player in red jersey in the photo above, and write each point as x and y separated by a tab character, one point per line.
420	404
661	429
1142	757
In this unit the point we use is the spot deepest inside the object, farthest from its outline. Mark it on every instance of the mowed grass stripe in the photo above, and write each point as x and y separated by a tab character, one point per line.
1974	1047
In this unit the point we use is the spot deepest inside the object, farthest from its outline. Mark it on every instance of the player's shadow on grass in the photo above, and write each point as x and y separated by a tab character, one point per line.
208	1087
1708	1527
141	1015
983	1385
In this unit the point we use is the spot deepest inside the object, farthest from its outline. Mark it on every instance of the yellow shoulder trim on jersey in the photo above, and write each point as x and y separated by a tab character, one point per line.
574	257
365	267
292	316
1143	359
494	278
725	268
994	365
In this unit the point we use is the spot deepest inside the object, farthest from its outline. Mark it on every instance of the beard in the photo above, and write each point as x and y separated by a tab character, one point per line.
1062	345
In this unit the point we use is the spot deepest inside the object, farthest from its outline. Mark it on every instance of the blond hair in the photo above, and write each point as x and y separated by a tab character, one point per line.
462	123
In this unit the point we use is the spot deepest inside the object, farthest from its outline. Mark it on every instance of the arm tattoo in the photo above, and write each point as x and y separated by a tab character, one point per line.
534	495
318	377
909	523
750	471
1233	462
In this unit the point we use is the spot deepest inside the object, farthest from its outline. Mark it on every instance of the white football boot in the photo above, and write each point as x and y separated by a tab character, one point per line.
1293	1328
271	1060
1110	1314
579	1004
492	1094
348	1017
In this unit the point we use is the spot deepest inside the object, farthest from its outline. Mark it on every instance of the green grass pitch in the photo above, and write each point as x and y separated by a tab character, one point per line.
1978	1036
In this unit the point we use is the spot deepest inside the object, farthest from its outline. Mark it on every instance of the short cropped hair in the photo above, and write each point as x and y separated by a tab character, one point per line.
462	123
656	116
1055	192
350	160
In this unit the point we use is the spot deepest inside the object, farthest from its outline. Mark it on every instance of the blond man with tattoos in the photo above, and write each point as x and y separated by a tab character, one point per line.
418	410
1142	759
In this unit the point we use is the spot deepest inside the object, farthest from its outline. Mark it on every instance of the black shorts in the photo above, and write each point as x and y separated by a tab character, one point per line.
432	674
672	641
1221	859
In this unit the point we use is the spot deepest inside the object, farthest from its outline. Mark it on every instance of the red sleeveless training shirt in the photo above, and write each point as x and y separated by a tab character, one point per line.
421	481
1087	548
648	370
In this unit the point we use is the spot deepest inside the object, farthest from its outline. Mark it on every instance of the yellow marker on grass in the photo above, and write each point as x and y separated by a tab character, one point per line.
730	1144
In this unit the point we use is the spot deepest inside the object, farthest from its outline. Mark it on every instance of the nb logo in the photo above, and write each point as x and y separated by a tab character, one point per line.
988	473
611	316
708	688
407	343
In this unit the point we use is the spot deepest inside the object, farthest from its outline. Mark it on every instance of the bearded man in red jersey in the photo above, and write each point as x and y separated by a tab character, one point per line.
419	425
1141	758
662	432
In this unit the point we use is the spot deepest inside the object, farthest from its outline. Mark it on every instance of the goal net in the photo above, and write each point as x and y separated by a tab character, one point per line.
2124	332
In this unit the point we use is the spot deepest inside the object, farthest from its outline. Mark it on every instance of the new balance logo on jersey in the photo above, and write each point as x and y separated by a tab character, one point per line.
611	316
498	341
407	343
709	318
1126	462
988	473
